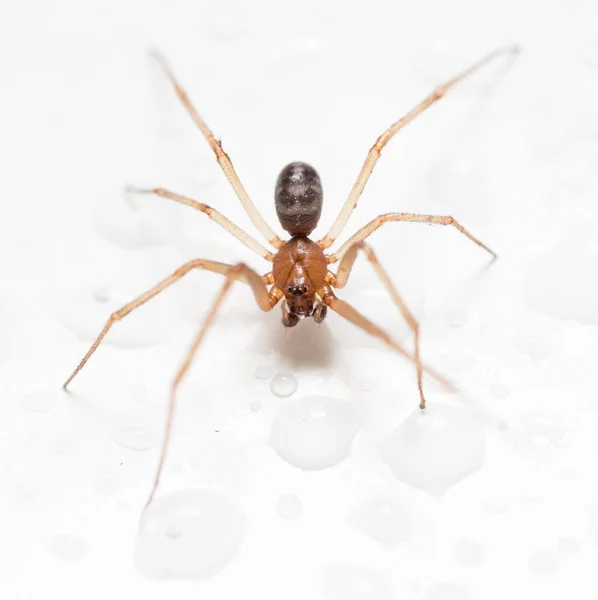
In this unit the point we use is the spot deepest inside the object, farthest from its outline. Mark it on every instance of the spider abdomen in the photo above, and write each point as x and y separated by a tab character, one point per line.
298	198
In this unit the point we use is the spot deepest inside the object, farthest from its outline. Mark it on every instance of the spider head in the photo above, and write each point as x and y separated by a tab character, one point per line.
300	300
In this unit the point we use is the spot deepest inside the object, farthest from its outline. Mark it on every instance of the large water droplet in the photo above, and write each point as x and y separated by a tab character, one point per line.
558	283
263	372
435	449
107	482
544	561
568	546
446	590
544	425
38	401
383	519
469	552
353	582
136	437
289	506
67	546
284	384
314	432
191	534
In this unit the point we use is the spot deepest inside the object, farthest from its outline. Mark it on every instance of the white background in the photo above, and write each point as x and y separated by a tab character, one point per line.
512	155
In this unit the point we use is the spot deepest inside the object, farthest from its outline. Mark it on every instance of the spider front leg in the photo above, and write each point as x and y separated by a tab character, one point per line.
265	301
372	226
207	265
376	149
341	279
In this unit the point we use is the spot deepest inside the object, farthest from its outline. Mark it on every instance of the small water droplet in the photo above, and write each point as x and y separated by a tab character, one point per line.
456	318
67	546
135	437
192	534
314	432
435	449
107	482
544	561
63	446
365	384
284	384
289	506
255	406
568	546
544	425
138	392
101	295
534	343
593	525
499	389
383	519
263	372
469	552
446	590
353	582
37	401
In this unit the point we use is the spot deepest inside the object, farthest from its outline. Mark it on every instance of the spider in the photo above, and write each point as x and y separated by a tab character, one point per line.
300	274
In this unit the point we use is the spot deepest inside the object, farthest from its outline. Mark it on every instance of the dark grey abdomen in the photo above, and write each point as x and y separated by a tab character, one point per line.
298	198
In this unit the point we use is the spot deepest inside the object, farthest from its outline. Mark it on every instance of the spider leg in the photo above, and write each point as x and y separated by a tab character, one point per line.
376	149
368	229
341	279
207	265
265	301
344	309
223	160
213	214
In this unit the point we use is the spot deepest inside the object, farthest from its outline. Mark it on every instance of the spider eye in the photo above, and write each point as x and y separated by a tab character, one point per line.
297	290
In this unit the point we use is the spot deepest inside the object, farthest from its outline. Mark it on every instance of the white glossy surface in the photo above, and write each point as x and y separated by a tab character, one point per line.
511	155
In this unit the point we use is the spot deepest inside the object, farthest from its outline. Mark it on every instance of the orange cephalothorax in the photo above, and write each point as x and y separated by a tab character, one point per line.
299	270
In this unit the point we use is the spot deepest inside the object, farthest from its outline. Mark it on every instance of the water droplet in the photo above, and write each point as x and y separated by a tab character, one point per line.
135	437
67	546
289	506
353	582
499	389
456	318
107	482
446	590
544	561
101	295
593	524
138	392
436	448
568	546
365	384
255	406
314	432
284	384
63	446
558	284
134	222
263	372
534	343
469	552
383	519
544	425
38	401
191	534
